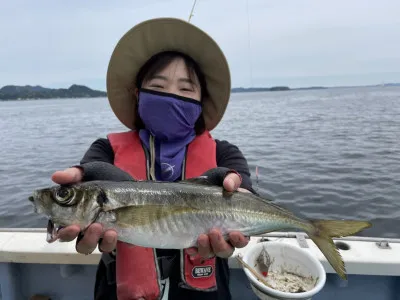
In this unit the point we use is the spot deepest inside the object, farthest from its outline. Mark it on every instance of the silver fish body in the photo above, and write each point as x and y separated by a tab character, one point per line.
173	215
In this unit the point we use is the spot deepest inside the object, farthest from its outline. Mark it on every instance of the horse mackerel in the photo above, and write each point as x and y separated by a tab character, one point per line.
173	214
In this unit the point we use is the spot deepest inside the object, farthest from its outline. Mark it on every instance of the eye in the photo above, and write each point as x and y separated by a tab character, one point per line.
64	195
156	86
187	87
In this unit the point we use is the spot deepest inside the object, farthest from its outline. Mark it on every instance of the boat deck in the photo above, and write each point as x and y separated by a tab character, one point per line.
29	266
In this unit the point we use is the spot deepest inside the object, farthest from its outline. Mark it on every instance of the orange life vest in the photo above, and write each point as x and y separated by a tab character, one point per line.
137	270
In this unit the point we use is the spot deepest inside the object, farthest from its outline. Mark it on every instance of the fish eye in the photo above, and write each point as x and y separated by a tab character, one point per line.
64	195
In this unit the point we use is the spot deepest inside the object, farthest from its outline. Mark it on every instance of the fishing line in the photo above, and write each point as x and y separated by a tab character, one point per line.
248	43
249	56
256	178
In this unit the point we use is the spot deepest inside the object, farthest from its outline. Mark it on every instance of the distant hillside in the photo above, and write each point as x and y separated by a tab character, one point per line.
274	88
311	88
15	92
391	84
285	88
260	89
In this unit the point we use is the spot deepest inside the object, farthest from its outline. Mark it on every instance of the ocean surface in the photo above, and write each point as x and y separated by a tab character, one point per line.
331	153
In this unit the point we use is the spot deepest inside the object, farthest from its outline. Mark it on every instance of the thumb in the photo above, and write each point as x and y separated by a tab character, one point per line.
70	175
232	181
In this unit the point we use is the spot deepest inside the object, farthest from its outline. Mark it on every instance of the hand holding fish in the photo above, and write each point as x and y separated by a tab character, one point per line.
94	232
214	243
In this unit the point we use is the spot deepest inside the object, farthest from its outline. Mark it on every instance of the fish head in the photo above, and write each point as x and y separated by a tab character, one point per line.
64	205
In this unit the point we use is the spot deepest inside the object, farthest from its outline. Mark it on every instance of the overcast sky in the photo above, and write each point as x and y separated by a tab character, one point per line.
292	42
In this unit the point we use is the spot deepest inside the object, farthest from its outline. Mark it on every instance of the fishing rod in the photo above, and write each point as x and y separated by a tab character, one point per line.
191	13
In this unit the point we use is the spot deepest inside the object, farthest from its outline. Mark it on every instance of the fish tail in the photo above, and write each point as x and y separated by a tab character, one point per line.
322	232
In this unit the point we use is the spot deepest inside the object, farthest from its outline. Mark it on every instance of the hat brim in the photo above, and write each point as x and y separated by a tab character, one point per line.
166	34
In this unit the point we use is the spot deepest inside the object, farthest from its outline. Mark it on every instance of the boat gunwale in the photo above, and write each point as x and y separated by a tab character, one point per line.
277	234
366	255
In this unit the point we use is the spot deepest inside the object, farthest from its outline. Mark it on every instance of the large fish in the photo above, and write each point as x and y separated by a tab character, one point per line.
173	215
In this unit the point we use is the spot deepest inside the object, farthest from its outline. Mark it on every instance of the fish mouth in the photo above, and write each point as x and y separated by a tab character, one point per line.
52	235
52	228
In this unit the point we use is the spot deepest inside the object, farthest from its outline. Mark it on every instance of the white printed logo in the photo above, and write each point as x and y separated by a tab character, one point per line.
205	271
167	170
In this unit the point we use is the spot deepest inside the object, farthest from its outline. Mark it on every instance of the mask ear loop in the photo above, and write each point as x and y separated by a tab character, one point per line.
152	158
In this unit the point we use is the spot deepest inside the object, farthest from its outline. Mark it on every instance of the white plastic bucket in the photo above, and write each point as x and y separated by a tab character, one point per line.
291	258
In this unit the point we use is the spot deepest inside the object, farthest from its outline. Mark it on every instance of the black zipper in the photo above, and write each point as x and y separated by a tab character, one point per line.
183	176
147	156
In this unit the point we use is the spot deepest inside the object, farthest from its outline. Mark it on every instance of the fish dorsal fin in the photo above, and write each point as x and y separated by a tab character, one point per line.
226	194
203	180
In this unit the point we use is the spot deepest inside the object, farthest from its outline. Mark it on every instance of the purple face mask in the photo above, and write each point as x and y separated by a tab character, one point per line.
170	119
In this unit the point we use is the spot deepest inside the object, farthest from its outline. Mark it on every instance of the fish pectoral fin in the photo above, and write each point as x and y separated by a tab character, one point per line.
141	215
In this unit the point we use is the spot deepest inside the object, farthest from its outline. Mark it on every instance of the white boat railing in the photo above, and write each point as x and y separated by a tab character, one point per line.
362	255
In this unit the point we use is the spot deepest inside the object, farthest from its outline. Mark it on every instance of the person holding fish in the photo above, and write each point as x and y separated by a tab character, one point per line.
166	185
169	83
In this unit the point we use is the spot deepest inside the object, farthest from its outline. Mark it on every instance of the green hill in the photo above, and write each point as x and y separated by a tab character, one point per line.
15	92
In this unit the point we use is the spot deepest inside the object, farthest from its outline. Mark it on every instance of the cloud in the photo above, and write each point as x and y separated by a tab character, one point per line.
304	42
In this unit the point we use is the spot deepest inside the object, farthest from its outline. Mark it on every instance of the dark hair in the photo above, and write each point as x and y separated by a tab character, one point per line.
157	63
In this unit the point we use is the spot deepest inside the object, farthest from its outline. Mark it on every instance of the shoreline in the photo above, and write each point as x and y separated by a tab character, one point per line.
27	91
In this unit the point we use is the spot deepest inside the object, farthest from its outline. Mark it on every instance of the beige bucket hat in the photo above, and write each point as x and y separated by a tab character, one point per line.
156	35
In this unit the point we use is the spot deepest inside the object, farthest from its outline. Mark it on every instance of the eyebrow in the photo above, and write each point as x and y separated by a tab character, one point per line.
159	77
186	80
166	79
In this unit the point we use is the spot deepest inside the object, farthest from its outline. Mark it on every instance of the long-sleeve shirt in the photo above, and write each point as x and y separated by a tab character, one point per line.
228	156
